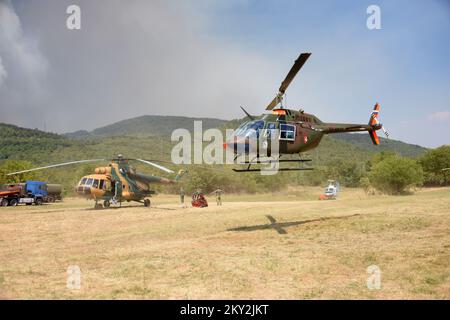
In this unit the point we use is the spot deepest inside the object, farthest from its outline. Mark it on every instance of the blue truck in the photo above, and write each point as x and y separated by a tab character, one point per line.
29	192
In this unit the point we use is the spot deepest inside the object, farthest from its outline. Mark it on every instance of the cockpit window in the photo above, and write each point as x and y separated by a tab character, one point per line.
83	181
245	128
95	184
89	182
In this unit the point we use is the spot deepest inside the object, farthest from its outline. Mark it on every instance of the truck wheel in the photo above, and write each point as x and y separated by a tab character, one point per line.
106	204
13	202
4	203
38	201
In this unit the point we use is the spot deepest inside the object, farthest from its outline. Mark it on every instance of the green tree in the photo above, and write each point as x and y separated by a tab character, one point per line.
380	156
433	162
349	173
396	175
9	166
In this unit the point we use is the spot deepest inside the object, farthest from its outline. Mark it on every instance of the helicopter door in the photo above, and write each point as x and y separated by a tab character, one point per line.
105	185
270	129
270	132
287	136
117	189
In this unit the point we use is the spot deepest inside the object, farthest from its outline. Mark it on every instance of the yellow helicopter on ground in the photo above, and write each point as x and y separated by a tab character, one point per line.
116	183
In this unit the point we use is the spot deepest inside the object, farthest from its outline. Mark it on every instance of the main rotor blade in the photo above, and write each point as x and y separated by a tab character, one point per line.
160	167
298	64
56	165
274	102
293	72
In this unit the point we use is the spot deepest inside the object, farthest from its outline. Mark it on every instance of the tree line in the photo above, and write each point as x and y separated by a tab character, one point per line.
385	172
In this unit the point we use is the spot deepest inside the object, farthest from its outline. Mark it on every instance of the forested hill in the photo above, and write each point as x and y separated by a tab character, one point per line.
30	144
128	137
41	148
147	126
363	141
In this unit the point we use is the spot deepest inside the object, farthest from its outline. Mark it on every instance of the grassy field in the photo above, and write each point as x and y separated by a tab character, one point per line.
272	246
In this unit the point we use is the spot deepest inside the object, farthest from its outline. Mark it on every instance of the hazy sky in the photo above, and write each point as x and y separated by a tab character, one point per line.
206	58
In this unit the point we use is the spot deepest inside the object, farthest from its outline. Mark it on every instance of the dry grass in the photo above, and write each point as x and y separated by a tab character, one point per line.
316	249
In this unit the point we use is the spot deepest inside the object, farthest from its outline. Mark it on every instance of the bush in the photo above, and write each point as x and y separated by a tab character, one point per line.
396	175
433	162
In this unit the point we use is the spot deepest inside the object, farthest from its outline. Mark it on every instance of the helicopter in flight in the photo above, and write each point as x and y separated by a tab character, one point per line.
296	130
116	183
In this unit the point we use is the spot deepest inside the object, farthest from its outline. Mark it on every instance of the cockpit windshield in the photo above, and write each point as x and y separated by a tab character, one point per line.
249	127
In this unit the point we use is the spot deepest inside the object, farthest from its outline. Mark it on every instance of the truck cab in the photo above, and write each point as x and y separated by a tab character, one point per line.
28	193
36	188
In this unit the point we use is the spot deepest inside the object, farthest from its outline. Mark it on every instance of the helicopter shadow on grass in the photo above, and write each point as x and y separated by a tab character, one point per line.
279	226
128	207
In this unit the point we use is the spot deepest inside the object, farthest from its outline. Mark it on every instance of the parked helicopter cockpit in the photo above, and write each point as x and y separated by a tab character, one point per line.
93	184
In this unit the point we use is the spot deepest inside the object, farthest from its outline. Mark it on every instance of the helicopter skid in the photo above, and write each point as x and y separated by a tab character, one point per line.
248	169
280	169
281	160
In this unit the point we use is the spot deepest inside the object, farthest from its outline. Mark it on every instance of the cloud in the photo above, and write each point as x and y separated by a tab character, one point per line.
205	58
3	73
440	116
128	59
22	66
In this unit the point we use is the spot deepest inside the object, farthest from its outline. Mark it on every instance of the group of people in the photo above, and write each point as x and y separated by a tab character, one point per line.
198	198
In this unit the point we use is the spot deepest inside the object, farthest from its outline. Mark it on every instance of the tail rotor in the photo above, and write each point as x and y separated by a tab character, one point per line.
376	125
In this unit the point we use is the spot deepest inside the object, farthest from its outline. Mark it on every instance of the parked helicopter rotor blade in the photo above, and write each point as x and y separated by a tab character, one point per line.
160	167
56	165
298	64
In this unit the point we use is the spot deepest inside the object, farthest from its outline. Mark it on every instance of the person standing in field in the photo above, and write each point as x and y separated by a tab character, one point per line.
218	193
182	193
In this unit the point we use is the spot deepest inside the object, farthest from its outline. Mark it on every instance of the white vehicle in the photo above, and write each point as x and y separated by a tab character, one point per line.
331	190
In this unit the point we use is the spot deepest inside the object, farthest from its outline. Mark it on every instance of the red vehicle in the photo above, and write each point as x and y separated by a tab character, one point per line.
199	200
9	193
14	194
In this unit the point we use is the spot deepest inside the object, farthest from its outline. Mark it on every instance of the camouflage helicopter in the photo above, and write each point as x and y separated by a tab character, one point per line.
296	130
117	182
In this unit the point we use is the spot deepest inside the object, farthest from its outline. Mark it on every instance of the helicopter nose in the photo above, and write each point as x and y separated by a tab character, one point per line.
237	145
83	190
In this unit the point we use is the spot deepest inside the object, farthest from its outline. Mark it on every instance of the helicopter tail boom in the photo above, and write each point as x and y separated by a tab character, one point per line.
371	127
